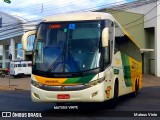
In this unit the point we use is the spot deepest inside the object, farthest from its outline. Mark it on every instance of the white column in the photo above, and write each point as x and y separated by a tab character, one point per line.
157	42
12	48
24	55
4	57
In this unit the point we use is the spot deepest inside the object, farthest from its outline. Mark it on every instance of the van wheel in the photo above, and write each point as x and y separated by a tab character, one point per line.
114	101
21	75
2	75
15	76
135	93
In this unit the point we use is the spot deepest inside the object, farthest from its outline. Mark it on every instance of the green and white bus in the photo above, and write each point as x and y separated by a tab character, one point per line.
83	57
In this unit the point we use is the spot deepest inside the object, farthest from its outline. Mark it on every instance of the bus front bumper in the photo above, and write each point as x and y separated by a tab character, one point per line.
91	94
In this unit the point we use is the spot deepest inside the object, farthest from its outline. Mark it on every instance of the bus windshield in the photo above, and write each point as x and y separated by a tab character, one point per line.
68	46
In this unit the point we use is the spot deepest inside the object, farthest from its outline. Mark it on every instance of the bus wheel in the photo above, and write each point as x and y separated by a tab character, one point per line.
114	101
135	93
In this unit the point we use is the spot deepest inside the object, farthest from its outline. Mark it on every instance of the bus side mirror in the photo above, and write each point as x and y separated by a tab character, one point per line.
25	39
105	37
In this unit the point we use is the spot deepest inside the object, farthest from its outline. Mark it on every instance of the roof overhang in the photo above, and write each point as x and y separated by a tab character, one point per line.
146	50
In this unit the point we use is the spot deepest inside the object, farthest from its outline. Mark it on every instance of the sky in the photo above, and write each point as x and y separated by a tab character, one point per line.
34	9
37	9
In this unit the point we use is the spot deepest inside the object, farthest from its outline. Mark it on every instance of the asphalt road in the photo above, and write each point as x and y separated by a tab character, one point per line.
148	100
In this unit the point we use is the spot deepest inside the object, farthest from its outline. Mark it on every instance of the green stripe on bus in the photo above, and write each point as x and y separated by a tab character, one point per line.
72	80
126	70
83	80
86	79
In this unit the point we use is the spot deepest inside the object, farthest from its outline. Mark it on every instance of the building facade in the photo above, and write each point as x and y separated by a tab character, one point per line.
11	30
141	19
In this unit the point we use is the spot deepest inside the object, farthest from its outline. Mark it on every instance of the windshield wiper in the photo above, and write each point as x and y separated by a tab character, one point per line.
75	63
56	61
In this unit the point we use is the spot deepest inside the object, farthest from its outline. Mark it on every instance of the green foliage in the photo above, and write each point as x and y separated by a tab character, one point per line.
7	1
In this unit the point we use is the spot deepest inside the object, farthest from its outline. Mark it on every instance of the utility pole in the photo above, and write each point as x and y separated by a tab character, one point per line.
10	59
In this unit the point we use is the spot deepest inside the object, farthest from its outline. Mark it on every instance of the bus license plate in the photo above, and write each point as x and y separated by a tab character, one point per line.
63	96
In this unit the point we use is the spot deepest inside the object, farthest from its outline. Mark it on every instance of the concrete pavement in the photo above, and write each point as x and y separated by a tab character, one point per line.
15	83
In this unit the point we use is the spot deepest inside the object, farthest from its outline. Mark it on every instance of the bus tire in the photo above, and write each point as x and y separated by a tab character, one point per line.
135	93
114	101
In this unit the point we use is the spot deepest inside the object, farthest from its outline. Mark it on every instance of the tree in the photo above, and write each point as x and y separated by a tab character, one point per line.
7	1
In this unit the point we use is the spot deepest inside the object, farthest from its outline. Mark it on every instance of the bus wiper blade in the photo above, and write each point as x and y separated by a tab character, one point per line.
56	61
53	64
78	68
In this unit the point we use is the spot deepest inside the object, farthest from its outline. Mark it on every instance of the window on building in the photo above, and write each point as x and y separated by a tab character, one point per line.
7	64
1	52
19	51
30	41
7	52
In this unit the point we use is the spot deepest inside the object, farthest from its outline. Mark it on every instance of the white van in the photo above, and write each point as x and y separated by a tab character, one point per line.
20	68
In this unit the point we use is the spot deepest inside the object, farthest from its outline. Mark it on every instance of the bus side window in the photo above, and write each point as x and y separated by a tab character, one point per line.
118	37
115	50
106	56
125	45
116	46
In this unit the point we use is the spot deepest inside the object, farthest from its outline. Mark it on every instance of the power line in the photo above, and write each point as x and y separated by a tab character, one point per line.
142	16
93	8
143	22
52	6
72	10
39	5
76	1
89	9
61	13
55	8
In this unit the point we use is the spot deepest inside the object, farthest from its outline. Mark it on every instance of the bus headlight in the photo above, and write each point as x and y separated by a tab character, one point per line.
36	84
95	82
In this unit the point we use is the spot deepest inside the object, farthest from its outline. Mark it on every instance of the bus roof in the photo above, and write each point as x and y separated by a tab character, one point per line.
79	16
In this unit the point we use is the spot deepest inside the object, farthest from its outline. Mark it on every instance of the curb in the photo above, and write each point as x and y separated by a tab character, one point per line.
7	88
